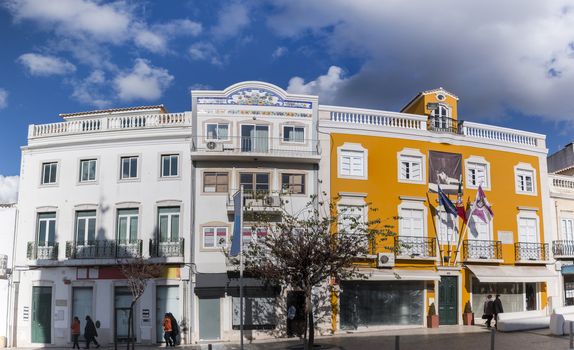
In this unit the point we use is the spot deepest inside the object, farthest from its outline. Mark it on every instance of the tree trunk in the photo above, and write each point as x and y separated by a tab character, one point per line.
131	326
309	324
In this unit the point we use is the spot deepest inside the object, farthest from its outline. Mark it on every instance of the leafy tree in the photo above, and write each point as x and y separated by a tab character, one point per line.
137	272
304	249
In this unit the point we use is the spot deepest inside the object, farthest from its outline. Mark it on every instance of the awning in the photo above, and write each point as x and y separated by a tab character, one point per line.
400	275
511	273
567	269
218	284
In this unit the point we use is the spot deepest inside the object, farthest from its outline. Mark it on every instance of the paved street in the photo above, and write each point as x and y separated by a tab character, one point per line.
444	338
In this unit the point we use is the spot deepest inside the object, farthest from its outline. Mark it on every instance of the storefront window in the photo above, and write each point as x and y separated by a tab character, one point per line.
569	289
381	303
511	295
258	313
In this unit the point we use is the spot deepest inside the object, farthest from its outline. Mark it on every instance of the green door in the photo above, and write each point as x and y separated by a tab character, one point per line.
448	300
41	315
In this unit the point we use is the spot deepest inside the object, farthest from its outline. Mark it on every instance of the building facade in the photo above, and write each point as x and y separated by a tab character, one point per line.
393	162
8	216
97	190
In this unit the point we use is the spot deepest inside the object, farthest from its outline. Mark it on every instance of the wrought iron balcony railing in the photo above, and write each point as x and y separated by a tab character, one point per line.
531	251
104	249
481	250
167	249
440	124
260	145
415	247
38	251
563	248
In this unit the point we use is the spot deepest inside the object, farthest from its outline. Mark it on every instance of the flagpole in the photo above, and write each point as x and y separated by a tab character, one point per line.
241	268
461	239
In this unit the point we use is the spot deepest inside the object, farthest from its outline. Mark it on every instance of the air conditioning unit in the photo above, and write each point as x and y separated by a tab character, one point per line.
273	201
385	259
213	146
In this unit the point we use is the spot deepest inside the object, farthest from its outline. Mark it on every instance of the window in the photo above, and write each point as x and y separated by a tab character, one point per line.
85	227
214	237
168	222
411	168
293	183
215	182
46	229
351	163
216	131
127	225
566	229
251	182
477	172
49	173
169	165
350	216
258	311
253	235
293	134
446	227
129	167
411	222
527	230
88	170
525	181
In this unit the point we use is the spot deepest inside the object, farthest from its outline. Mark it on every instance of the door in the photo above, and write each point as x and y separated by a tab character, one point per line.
167	300
528	232
41	315
254	138
209	319
448	300
122	302
295	314
82	305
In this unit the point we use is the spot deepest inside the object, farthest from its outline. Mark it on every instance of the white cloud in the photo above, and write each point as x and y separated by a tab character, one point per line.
496	56
278	52
3	98
8	189
326	86
200	86
143	82
156	38
90	90
231	19
43	65
151	41
180	27
204	51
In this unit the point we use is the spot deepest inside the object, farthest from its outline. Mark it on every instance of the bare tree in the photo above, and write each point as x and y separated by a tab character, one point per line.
303	250
137	272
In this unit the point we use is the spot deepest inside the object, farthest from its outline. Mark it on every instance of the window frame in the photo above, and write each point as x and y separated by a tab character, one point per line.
161	167
87	219
476	160
138	166
43	172
217	175
254	181
217	138
46	242
525	169
528	215
170	216
216	244
411	153
563	234
81	172
293	127
128	224
413	204
289	185
352	148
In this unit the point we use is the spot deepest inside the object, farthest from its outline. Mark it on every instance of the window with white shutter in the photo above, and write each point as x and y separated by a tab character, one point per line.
352	163
411	168
411	222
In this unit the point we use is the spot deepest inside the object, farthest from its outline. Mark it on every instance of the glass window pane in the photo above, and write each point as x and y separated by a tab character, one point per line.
212	131
92	171
134	167
208	237
174	165
122	228
174	227
125	168
51	232
81	231
223	132
53	171
163	222
133	228
42	230
92	229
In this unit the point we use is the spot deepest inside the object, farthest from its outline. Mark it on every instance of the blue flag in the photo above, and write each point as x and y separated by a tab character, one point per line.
237	212
448	206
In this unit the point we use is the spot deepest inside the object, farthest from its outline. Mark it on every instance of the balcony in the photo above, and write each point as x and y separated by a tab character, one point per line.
445	125
561	185
482	251
563	249
104	249
256	201
410	247
256	148
531	252
169	249
42	252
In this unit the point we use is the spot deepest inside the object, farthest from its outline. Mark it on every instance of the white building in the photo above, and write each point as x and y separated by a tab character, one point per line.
96	189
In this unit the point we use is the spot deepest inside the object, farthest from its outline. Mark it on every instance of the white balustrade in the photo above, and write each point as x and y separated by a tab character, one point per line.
500	134
562	182
380	119
109	123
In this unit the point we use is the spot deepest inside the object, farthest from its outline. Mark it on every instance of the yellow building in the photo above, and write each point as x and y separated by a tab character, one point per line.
393	162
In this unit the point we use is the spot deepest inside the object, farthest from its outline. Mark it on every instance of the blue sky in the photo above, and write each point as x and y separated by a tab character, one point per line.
511	64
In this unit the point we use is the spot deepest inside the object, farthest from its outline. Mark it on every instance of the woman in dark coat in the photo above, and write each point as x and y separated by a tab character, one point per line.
497	309
488	310
90	333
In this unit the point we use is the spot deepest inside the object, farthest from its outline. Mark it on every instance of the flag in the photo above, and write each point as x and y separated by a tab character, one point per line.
459	202
237	229
446	203
481	208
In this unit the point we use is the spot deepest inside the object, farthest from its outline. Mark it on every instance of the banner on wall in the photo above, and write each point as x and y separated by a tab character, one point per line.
445	169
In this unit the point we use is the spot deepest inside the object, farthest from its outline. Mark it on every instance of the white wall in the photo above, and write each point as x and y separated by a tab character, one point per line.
7	226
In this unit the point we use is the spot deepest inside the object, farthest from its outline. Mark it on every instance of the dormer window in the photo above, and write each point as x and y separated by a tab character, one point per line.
440	119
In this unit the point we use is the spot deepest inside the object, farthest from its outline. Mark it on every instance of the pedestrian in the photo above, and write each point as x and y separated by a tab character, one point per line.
488	310
497	309
90	333
174	329
75	332
167	329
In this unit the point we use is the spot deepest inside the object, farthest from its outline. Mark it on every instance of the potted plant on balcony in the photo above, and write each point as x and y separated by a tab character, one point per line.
468	315
432	318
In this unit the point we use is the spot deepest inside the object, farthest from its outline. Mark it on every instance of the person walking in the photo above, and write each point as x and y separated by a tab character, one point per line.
488	310
75	332
90	333
167	330
497	309
174	329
